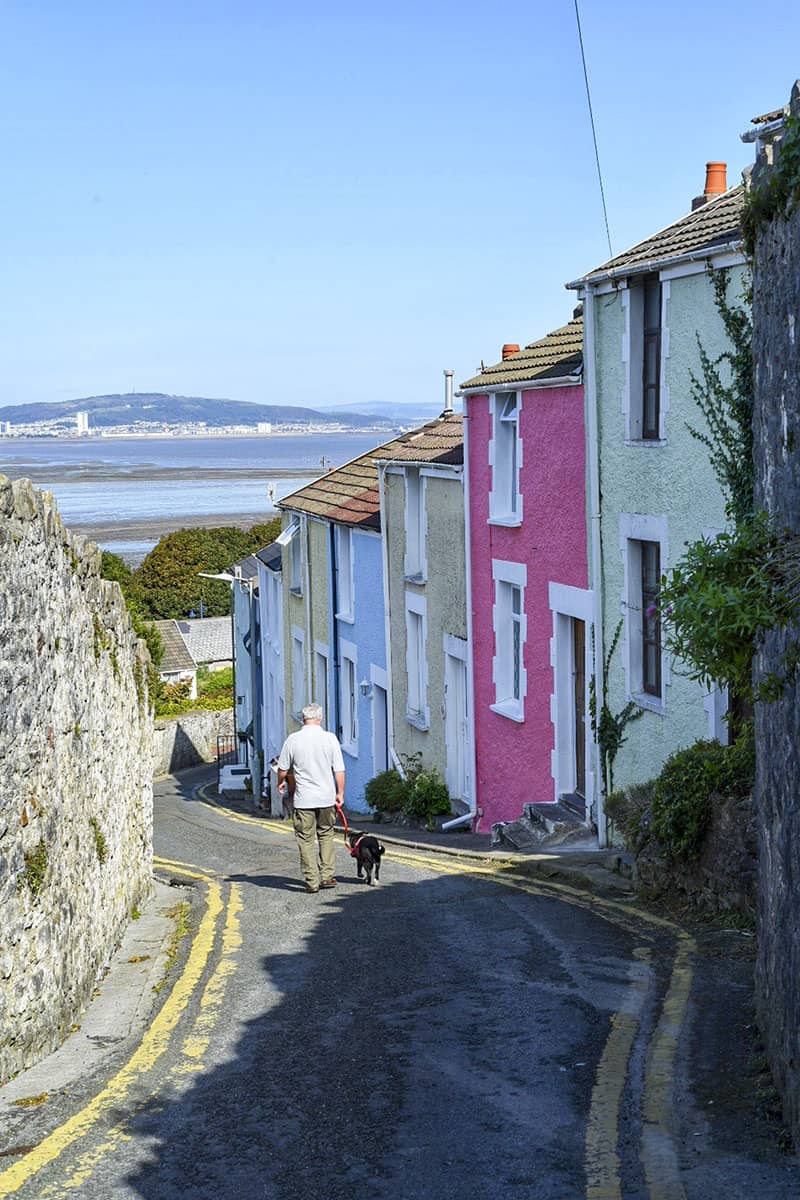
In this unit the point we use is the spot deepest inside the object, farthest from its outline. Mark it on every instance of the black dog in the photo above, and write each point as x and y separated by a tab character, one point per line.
367	851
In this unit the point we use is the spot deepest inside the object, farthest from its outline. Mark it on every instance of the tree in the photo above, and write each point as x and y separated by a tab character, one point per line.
168	584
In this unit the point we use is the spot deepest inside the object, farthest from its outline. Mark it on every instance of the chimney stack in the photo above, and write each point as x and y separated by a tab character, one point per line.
716	183
448	394
509	349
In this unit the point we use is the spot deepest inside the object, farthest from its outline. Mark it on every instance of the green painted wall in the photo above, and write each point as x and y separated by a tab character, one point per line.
672	480
445	594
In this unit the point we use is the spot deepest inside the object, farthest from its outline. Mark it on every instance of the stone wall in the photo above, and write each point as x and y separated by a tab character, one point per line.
189	740
776	304
75	774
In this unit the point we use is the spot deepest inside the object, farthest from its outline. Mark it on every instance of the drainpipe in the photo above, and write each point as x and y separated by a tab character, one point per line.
590	385
474	815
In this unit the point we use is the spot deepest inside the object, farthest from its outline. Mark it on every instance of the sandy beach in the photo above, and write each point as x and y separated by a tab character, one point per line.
152	530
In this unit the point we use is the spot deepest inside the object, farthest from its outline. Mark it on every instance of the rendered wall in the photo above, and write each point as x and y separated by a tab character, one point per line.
513	759
76	799
672	480
776	302
445	594
367	632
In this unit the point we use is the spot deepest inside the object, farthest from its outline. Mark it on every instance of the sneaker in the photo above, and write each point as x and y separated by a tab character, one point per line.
326	883
312	887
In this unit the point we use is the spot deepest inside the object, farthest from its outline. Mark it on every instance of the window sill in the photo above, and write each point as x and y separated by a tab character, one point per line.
510	709
510	522
419	578
348	617
350	748
296	591
653	704
418	720
646	442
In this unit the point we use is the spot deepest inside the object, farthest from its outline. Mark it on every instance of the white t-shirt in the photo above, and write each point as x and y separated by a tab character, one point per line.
312	754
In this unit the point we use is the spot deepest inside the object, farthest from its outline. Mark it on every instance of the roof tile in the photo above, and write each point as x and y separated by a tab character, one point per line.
553	357
349	494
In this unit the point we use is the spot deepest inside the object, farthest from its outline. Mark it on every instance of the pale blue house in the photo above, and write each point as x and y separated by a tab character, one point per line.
337	654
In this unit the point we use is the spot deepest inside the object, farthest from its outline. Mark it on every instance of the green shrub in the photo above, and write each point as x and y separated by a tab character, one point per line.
627	807
683	793
421	796
386	792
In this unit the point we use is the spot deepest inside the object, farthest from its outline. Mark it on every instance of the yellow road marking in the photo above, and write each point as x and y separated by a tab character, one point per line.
602	1127
659	1157
192	1049
152	1046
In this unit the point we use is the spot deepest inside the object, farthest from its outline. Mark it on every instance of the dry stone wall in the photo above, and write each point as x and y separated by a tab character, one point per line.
189	740
776	324
76	802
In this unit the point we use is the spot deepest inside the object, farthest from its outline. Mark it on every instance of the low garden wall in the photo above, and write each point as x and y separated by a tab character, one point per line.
189	740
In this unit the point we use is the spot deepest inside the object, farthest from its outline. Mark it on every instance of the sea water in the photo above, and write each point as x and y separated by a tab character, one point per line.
122	482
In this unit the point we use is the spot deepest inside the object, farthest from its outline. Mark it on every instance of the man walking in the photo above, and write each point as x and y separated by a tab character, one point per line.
313	757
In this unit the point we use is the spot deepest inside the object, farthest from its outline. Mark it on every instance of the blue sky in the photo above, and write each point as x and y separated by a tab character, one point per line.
332	205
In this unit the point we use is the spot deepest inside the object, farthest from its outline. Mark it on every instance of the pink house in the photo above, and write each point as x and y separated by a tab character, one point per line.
528	597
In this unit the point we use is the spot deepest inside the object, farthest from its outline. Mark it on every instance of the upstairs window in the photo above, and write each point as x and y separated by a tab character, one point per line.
344	572
296	565
415	566
651	358
505	456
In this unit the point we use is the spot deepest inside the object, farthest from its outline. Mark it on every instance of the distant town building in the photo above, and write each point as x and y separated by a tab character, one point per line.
82	422
5	429
264	427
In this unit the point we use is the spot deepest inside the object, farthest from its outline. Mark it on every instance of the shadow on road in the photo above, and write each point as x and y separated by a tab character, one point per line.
412	1041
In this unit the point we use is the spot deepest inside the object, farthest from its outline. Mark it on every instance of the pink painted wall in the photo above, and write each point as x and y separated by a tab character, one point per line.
513	763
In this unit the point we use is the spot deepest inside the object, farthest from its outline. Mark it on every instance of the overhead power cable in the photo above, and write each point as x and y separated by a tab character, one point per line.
594	132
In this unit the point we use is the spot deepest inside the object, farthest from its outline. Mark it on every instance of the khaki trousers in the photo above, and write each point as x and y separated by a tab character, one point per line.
312	826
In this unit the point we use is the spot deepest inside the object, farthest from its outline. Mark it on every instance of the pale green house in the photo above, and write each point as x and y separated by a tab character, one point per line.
650	486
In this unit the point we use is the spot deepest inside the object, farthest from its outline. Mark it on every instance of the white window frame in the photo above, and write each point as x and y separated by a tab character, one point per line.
567	604
296	564
505	459
298	669
633	529
507	577
419	714
321	678
632	350
348	696
415	565
345	598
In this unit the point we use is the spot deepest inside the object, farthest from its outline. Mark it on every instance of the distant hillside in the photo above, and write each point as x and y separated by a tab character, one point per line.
177	410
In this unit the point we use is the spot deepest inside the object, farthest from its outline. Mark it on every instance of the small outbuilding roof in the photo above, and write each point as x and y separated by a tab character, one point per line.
349	494
556	356
208	639
270	556
176	655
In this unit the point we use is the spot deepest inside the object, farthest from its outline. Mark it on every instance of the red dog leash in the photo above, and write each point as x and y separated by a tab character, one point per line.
353	849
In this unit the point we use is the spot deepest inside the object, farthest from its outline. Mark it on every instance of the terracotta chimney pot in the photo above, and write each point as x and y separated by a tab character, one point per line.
509	349
716	178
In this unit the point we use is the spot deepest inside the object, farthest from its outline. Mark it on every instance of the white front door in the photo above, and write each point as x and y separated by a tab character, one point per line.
456	727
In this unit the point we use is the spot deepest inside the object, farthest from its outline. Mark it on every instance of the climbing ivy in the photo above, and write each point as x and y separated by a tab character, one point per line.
770	196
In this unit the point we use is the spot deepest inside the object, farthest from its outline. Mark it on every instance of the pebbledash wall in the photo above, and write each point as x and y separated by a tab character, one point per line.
76	806
670	483
776	352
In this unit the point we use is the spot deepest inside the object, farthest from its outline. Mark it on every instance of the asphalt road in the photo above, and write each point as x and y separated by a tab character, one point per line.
456	1031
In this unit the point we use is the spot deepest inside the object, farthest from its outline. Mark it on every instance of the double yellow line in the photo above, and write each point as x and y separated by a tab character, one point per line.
152	1046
